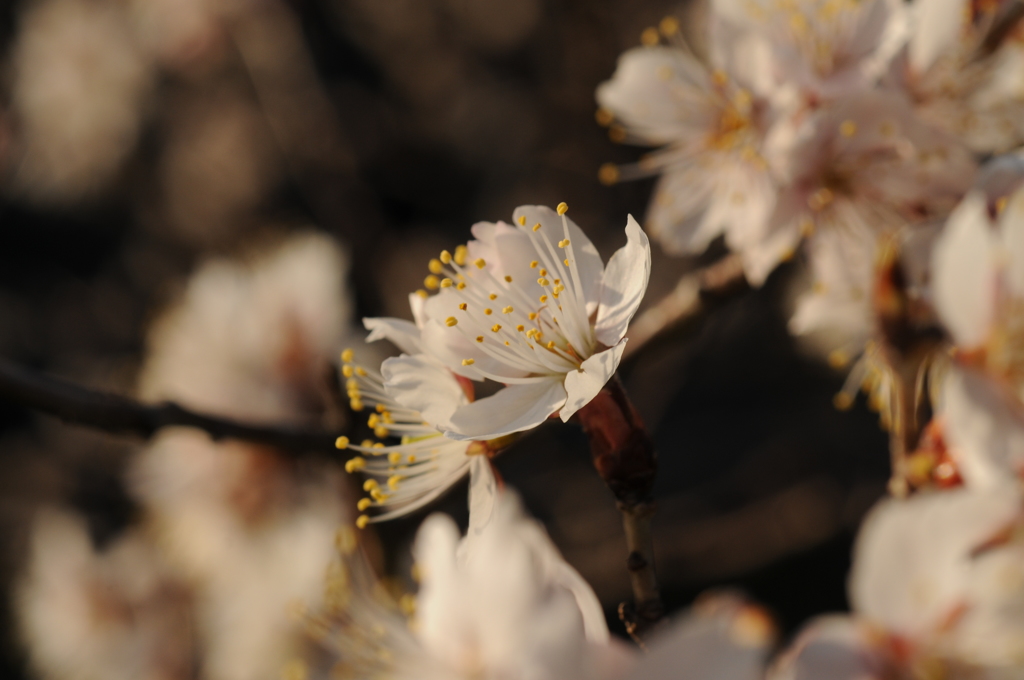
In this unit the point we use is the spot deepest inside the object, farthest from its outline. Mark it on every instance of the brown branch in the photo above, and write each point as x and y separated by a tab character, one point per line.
120	415
624	456
686	301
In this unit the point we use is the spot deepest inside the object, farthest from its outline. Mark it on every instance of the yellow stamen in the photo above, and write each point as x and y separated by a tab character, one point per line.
347	356
533	264
341	443
423	294
435	266
446	257
480	263
507	310
363	504
488	311
462	306
532	315
563	243
492	296
362	521
848	128
536	227
431	282
508	279
357	463
346	371
479	338
649	37
543	298
562	208
460	255
468	362
355	405
446	283
451	321
495	328
522	220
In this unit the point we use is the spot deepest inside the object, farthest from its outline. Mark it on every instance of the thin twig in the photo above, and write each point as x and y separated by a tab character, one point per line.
121	415
685	301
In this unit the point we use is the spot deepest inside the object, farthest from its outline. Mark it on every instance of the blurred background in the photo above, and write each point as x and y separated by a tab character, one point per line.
201	198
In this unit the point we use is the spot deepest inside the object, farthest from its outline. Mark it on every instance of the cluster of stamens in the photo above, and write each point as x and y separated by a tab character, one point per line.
500	316
399	477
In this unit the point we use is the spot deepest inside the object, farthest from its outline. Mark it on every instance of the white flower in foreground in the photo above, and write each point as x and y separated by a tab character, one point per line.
530	305
835	647
979	293
710	128
500	604
943	573
957	81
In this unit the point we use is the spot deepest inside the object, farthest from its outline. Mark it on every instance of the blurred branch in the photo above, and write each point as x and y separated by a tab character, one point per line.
686	301
121	415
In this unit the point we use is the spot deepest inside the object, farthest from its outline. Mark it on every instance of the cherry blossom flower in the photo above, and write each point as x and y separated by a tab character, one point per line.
957	81
499	603
710	127
530	305
979	288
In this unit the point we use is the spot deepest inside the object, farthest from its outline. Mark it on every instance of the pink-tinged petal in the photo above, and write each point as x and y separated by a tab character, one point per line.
423	385
583	385
963	272
401	333
1011	227
623	286
935	29
512	409
588	262
985	430
912	560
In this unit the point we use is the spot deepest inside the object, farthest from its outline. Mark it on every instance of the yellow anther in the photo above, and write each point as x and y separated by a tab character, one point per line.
508	279
848	128
488	311
604	117
386	416
380	408
373	421
669	26
435	266
492	296
649	37
341	443
380	432
393	481
508	344
357	463
536	227
842	401
378	445
446	257
346	371
423	294
370	485
551	344
543	272
566	262
533	264
460	255
562	208
479	338
617	134
543	298
495	328
480	263
367	443
355	405
394	458
522	220
362	521
468	362
507	310
608	174
446	283
451	321
363	504
411	458
352	383
532	315
460	285
563	243
431	282
838	358
520	328
360	371
462	306
347	356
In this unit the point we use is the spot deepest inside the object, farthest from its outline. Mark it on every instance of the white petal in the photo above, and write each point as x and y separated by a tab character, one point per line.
936	28
583	385
401	333
512	409
623	286
439	603
588	262
834	647
963	273
985	432
423	385
912	559
483	494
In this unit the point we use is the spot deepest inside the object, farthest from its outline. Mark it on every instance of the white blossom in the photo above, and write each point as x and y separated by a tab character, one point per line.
530	305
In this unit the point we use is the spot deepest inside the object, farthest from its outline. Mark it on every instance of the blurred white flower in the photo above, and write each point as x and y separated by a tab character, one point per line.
500	603
979	290
531	306
78	92
711	128
943	573
957	81
836	648
118	614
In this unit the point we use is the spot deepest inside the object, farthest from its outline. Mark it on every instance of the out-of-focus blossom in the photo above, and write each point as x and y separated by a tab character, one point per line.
958	81
406	476
249	528
180	33
500	603
941	575
80	83
530	305
118	614
979	289
710	127
837	648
